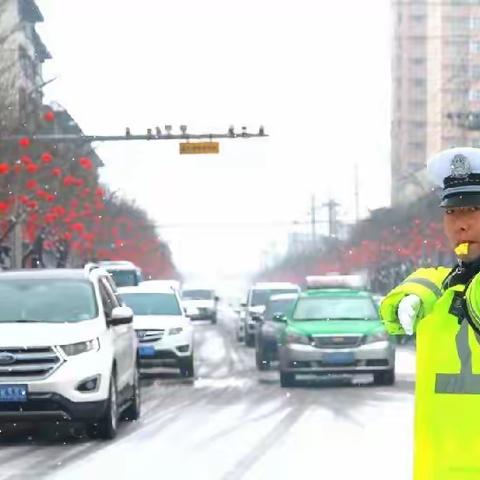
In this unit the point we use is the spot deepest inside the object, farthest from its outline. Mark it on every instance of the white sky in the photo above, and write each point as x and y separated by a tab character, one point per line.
316	73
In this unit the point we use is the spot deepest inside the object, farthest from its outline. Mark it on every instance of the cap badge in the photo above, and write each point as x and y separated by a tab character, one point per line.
460	166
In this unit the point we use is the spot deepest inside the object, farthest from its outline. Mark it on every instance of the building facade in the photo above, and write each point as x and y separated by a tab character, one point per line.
22	54
436	78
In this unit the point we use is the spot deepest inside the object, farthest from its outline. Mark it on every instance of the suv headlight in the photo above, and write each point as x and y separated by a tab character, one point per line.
381	336
296	338
81	347
175	331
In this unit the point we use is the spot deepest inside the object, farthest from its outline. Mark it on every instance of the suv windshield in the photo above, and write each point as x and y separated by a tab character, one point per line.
197	294
124	278
282	306
45	300
261	296
335	308
152	303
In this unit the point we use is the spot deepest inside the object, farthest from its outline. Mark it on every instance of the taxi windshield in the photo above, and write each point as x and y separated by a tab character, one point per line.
335	308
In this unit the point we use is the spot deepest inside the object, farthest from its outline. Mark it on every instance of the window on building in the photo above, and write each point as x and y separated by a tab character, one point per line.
418	18
418	61
418	82
475	23
459	23
475	71
475	46
416	146
474	95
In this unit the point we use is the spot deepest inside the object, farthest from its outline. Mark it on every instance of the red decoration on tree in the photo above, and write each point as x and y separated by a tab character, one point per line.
4	206
49	116
46	157
67	236
32	168
4	168
31	184
77	227
86	163
24	142
57	172
100	192
26	160
69	181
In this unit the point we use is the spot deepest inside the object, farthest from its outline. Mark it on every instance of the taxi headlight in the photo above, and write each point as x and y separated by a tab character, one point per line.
81	347
296	338
381	336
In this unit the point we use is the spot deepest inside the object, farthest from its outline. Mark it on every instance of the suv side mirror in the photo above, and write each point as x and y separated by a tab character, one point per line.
279	318
216	298
121	316
243	304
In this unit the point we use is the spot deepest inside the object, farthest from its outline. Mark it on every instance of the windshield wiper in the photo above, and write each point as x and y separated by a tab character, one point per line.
23	321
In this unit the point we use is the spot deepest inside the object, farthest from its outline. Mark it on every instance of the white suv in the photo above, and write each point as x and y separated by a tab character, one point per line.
68	351
165	333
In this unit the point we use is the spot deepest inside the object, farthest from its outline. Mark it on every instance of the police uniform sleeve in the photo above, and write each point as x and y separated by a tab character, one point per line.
425	283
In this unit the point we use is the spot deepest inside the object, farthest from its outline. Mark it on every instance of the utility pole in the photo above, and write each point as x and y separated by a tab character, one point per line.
332	217
357	196
313	219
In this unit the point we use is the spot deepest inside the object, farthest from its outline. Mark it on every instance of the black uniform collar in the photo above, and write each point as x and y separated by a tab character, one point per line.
463	273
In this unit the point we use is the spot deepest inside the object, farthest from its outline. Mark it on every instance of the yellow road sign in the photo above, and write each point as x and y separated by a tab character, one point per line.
199	147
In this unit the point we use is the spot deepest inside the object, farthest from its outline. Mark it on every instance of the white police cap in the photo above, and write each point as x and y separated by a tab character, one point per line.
457	171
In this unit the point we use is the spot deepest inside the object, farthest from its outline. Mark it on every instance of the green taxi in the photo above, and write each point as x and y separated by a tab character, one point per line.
335	328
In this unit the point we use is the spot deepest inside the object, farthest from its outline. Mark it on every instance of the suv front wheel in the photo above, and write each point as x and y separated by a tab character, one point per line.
107	427
132	412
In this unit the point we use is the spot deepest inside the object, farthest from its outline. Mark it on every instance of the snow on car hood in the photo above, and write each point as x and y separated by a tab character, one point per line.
199	303
48	334
159	322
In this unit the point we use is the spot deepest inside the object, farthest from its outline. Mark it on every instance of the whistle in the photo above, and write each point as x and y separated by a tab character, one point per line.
462	249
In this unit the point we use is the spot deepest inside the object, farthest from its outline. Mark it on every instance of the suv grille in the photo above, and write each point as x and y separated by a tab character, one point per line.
27	362
149	336
337	341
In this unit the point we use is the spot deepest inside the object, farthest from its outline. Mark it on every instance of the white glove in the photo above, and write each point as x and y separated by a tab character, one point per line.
407	312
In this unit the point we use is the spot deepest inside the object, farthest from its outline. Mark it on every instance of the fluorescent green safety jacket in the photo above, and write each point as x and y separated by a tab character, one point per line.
447	393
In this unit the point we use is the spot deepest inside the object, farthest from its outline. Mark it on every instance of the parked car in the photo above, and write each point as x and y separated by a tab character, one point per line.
254	307
204	300
165	333
269	329
124	273
68	351
335	328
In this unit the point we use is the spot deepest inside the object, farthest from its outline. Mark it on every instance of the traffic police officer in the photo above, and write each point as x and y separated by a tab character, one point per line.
442	306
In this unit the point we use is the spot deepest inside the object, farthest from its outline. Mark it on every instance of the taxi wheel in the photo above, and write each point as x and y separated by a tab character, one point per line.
260	361
287	379
250	340
384	378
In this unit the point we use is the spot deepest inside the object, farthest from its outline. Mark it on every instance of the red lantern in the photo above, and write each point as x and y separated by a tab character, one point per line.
24	142
86	163
49	116
32	168
50	197
68	181
77	227
57	172
32	204
31	184
100	192
67	236
4	206
26	160
4	168
46	158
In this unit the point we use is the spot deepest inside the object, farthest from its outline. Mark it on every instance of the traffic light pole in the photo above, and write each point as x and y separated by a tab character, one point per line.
128	136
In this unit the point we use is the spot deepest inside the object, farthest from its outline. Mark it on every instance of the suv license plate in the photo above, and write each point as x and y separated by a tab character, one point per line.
339	358
146	351
13	393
